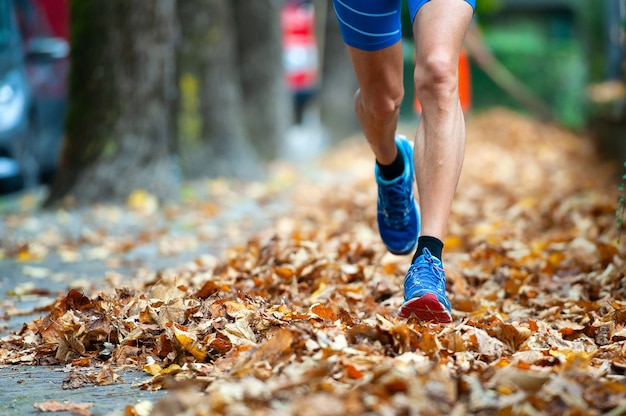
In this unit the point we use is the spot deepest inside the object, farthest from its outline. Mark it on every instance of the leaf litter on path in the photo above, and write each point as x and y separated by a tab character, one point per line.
301	317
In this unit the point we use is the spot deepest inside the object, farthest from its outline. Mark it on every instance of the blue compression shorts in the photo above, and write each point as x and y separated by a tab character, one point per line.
372	25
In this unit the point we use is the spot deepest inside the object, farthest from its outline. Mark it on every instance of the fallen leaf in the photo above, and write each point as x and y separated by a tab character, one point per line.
80	409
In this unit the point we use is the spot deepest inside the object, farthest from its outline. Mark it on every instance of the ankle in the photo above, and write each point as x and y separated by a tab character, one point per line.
393	170
433	244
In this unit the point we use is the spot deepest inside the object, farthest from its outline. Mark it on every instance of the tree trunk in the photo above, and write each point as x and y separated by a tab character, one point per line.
267	103
212	136
122	81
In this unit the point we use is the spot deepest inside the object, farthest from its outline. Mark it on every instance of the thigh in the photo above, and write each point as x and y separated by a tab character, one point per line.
369	25
439	26
379	74
416	5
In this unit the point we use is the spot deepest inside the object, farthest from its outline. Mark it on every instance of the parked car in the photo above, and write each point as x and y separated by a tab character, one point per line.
34	64
14	100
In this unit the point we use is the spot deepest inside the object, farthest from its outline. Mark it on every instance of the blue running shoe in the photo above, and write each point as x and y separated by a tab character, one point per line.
425	291
398	216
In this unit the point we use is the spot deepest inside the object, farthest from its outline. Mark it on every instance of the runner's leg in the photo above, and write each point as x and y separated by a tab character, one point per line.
372	33
439	28
378	99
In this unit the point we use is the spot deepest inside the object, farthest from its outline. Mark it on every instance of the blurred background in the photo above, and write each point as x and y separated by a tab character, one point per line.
161	92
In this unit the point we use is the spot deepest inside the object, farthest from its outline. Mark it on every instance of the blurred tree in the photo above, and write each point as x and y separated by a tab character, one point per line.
607	120
212	139
121	84
339	83
234	106
266	100
125	116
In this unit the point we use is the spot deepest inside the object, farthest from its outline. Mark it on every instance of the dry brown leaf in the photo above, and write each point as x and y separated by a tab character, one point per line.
275	349
80	409
302	316
323	312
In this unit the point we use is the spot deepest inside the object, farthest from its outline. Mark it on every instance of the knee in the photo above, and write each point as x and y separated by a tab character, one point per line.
436	77
382	107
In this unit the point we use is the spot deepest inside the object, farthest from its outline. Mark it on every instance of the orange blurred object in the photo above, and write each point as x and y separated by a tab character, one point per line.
465	85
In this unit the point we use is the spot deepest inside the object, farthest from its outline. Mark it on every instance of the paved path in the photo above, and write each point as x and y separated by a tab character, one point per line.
47	271
21	387
64	249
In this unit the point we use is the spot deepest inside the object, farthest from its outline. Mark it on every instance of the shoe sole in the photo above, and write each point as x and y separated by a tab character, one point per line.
407	250
425	308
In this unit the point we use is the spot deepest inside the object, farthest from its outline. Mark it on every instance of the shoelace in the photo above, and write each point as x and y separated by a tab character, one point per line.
426	268
395	205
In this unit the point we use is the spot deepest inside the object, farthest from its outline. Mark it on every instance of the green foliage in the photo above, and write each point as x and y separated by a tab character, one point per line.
488	7
407	29
483	8
543	55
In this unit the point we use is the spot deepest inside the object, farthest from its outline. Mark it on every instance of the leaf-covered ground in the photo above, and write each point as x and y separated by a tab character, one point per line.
301	318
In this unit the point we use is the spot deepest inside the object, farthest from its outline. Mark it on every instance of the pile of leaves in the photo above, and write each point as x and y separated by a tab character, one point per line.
301	319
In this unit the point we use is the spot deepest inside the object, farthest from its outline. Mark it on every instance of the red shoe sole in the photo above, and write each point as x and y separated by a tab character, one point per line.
426	308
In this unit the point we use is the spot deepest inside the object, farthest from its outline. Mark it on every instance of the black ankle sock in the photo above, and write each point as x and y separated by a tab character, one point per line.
393	170
434	245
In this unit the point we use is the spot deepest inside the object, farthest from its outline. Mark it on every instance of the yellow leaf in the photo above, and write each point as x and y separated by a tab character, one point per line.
172	369
189	343
142	201
504	390
283	272
151	367
319	290
453	243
